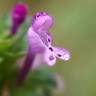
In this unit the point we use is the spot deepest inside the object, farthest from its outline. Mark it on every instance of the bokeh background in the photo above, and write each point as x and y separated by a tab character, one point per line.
75	29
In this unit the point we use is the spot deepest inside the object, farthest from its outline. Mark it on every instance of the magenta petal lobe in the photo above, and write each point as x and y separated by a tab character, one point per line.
49	58
19	14
62	53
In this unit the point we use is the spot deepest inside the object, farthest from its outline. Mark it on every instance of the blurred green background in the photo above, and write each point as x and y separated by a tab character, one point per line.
75	29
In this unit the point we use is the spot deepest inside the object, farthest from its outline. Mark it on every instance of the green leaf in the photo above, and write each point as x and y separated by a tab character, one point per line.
36	84
4	45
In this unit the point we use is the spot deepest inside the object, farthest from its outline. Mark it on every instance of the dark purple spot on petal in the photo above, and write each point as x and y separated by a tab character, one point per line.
51	58
43	13
51	48
38	15
48	40
59	55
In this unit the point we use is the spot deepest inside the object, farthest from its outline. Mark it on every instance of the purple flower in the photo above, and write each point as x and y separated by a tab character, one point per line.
40	42
19	14
40	39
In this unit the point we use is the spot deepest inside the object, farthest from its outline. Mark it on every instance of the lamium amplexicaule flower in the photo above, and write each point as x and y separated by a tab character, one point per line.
40	42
